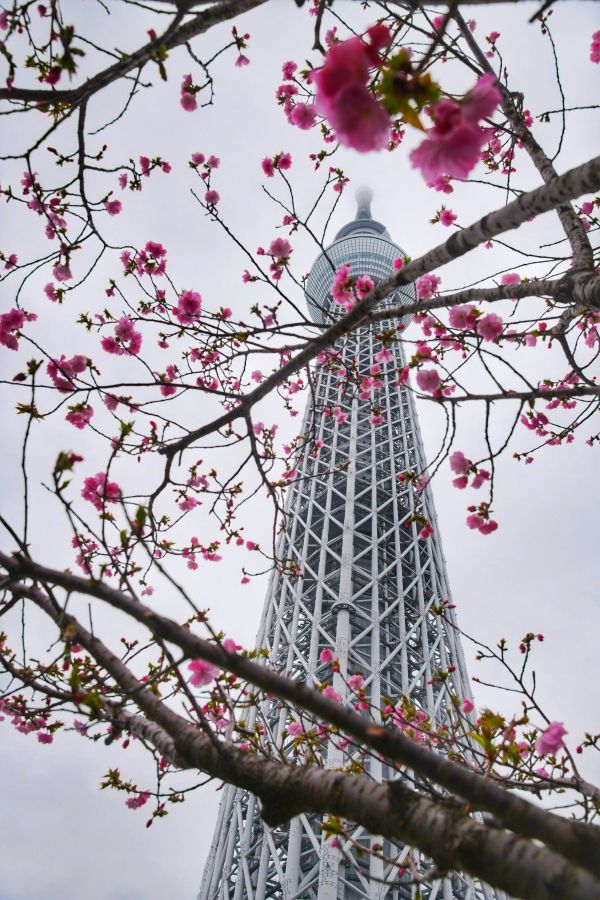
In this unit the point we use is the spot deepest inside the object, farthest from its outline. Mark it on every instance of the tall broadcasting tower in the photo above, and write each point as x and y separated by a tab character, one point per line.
367	590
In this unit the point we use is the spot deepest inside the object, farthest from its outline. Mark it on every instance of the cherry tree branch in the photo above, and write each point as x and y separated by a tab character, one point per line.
174	36
442	829
577	181
576	841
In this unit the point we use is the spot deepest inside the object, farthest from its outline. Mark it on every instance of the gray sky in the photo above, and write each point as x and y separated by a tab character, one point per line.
60	837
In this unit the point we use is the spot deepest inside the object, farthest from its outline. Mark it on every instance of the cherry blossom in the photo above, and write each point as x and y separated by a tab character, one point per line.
202	672
490	327
63	371
356	682
463	317
97	490
212	197
126	339
188	94
427	286
343	96
595	48
429	381
459	463
135	802
62	272
113	207
303	115
189	306
447	217
11	322
332	694
551	740
453	145
80	416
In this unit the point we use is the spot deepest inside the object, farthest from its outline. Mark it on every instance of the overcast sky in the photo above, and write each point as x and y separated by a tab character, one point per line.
60	837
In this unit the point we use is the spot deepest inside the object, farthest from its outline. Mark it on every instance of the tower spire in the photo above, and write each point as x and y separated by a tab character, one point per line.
364	196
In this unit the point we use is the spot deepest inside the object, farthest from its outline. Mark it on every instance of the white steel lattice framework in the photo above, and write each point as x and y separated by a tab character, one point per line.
368	588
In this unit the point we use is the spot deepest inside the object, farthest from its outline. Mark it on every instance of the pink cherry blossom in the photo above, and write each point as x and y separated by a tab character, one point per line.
268	167
63	371
45	738
427	286
113	207
453	145
288	69
595	48
475	521
468	706
135	802
50	292
303	116
80	416
326	655
97	490
62	272
280	248
343	96
126	339
212	197
442	184
459	463
447	217
478	523
385	355
242	61
426	531
511	278
332	694
13	321
295	729
188	307
188	94
551	740
463	317
429	381
202	672
490	327
356	682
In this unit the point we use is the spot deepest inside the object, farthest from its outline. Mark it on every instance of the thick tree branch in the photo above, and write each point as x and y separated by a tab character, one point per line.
174	36
442	830
576	841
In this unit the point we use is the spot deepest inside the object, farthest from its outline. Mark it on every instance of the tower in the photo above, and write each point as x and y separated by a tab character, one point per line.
368	591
